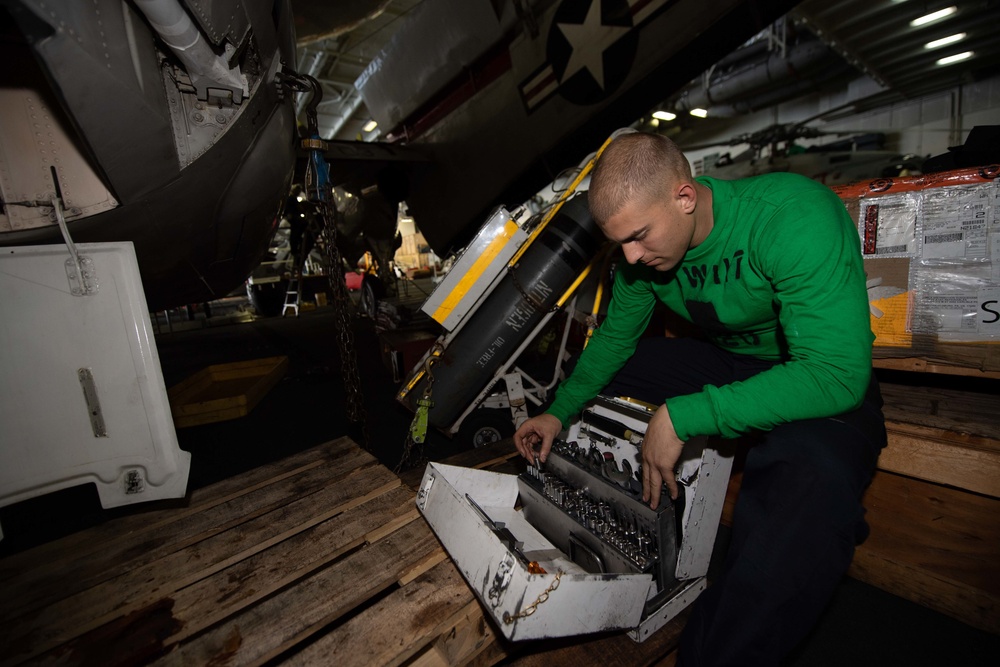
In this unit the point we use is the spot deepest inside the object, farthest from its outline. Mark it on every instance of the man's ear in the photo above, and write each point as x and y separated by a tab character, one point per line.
686	197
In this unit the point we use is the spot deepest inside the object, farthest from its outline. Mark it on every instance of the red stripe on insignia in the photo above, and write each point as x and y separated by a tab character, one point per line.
547	81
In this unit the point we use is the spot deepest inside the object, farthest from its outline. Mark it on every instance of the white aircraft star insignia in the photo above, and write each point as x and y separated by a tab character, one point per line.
589	41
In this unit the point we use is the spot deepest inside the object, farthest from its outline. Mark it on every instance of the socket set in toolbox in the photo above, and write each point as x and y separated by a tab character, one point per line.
601	523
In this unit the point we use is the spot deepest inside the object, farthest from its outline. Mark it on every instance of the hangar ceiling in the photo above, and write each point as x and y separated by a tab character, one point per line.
873	40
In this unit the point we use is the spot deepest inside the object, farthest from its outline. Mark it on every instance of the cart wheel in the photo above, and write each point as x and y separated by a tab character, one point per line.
486	426
371	291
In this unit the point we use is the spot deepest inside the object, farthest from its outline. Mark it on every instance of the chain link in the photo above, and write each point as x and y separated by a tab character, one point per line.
316	183
345	336
531	608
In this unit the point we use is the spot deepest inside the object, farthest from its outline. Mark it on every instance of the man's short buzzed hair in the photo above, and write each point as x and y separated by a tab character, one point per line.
635	167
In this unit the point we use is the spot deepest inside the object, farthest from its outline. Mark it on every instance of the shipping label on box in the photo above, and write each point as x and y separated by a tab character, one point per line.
888	225
956	221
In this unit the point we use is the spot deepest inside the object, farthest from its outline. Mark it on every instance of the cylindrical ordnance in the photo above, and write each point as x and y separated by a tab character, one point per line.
530	289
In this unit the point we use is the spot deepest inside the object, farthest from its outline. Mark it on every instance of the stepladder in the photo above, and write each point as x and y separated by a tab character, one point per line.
292	296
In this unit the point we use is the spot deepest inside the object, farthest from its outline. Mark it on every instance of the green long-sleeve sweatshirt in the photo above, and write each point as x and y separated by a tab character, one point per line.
779	277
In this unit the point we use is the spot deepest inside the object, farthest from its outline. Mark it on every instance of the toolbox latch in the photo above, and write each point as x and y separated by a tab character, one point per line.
425	490
501	580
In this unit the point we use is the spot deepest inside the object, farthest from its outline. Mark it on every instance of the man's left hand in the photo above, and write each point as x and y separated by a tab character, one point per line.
660	450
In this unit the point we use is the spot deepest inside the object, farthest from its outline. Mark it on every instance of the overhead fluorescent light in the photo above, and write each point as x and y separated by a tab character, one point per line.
955	58
664	115
370	125
933	16
945	41
700	113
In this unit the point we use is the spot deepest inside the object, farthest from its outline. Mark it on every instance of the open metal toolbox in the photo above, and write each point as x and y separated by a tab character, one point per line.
541	570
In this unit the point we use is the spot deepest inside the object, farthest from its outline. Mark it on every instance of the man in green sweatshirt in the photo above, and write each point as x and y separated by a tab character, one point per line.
770	269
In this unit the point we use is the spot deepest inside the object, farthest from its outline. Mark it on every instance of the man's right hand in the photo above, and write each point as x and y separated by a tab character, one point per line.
542	430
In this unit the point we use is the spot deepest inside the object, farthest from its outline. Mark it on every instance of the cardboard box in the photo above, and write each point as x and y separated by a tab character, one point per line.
932	257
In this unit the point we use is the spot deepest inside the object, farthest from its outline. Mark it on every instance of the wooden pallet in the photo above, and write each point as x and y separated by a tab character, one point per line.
320	558
224	391
921	365
934	504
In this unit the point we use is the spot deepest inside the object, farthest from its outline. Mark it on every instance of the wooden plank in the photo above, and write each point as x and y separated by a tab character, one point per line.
391	526
219	395
919	365
513	466
239	586
224	391
433	657
250	580
266	630
249	368
338	528
424	565
189	385
931	544
965	603
944	457
146	519
479	458
239	370
937	529
210	417
934	545
607	650
46	583
961	411
469	636
398	626
492	653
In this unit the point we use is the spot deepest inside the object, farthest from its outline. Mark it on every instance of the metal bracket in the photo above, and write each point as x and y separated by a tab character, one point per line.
86	377
79	269
516	398
425	491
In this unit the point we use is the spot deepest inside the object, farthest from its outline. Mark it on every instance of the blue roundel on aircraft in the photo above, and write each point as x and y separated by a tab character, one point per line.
591	47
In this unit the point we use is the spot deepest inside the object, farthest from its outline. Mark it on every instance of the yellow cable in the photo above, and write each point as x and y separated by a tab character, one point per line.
562	200
592	325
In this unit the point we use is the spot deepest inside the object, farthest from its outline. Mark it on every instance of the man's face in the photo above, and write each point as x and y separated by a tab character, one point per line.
656	234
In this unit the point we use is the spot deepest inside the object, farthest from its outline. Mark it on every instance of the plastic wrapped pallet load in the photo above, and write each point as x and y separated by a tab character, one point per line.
932	256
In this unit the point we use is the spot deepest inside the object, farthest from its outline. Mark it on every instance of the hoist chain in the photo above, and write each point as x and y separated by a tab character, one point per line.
413	445
413	450
342	314
319	190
